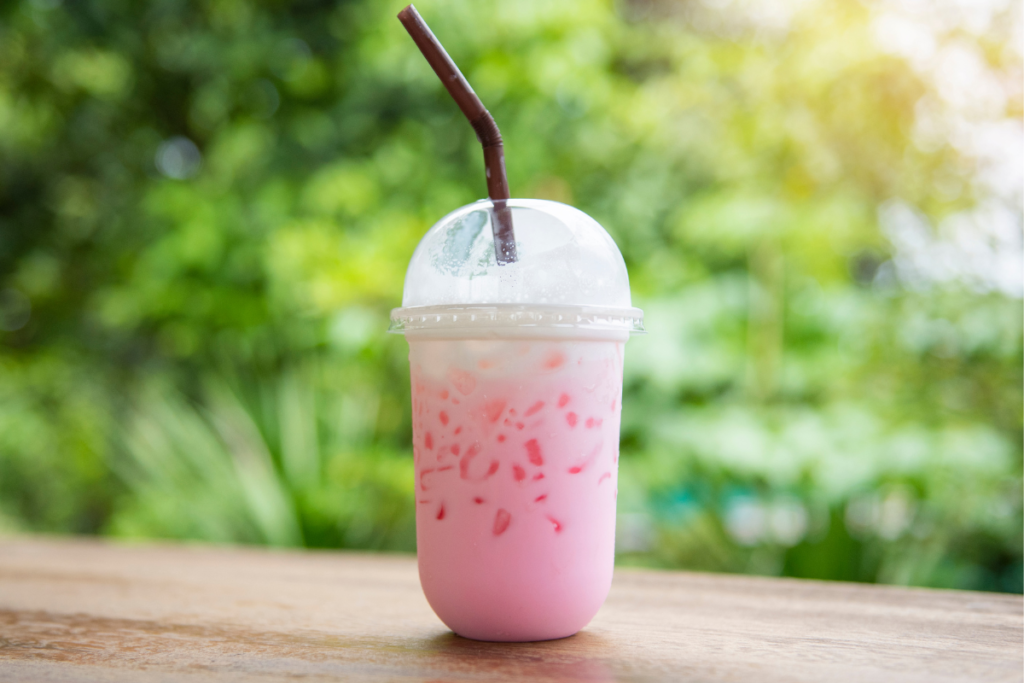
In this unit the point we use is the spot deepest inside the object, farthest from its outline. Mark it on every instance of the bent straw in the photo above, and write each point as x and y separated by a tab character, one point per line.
481	120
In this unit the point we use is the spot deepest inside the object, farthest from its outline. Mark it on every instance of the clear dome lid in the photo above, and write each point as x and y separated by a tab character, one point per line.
569	274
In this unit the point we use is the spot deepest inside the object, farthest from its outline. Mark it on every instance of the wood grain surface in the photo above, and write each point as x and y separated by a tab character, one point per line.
83	610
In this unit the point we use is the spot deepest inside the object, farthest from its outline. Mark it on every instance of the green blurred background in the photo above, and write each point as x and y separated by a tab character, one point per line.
206	210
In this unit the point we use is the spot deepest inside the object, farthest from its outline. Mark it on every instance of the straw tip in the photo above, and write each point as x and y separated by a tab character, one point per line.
409	9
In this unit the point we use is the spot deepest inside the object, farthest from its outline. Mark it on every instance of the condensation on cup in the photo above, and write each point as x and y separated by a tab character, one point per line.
516	402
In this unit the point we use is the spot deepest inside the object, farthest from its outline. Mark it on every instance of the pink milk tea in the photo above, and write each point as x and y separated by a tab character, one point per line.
516	396
516	445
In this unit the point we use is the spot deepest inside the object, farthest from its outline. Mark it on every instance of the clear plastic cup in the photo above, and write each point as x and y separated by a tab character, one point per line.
516	395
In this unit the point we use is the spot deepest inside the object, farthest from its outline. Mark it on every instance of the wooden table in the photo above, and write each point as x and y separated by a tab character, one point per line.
73	610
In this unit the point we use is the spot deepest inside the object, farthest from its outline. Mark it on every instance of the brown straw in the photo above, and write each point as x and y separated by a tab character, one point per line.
482	122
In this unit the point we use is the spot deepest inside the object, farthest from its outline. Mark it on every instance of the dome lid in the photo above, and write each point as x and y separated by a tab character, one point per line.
569	272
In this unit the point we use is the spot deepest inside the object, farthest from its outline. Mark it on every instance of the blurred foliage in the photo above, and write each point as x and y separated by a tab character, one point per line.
206	210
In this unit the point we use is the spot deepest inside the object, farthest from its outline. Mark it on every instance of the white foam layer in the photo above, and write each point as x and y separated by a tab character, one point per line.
564	257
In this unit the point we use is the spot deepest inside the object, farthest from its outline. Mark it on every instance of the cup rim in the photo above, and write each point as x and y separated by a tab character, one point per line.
528	319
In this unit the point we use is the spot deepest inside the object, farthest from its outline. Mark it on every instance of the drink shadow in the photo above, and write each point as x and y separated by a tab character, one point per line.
581	657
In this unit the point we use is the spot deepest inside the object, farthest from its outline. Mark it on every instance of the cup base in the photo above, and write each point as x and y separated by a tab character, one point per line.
498	638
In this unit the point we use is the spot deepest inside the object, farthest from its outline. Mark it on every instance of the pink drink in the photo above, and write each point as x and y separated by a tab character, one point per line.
516	391
516	444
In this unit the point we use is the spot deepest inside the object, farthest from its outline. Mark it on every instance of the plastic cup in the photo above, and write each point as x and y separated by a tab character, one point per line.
516	395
